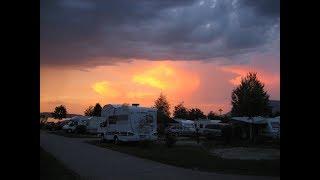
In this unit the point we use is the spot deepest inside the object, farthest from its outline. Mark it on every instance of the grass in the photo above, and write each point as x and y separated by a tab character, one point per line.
73	135
196	158
51	168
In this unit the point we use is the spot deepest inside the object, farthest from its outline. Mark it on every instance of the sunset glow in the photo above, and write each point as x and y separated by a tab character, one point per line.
204	85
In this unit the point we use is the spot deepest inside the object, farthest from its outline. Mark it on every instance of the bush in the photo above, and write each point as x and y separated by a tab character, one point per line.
49	126
170	140
81	129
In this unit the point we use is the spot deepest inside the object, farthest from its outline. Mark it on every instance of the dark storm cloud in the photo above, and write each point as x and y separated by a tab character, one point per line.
98	32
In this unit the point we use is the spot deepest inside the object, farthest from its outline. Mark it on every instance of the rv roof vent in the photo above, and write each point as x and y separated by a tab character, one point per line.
135	104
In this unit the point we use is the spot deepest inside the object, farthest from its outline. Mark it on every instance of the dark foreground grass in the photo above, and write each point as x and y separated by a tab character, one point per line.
196	158
51	168
73	135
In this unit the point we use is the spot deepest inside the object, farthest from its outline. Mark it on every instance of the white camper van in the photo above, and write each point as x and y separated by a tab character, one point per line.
201	124
74	122
128	123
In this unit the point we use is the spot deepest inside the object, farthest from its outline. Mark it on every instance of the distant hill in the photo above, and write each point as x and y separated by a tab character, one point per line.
48	114
275	104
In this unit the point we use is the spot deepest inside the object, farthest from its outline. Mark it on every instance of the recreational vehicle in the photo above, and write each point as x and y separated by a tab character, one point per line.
128	123
202	123
94	123
74	122
184	127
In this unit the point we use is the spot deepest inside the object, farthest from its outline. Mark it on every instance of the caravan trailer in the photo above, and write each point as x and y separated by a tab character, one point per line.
128	123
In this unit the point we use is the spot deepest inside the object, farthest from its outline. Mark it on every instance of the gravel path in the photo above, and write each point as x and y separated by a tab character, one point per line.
92	162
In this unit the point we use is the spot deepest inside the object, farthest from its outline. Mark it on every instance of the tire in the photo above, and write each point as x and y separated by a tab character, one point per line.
115	140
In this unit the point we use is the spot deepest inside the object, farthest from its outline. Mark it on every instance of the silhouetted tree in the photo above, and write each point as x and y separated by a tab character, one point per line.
97	110
211	115
163	107
93	111
250	98
60	112
195	114
180	112
89	111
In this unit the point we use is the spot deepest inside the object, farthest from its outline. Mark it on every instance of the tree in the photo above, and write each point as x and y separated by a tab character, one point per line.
180	112
249	98
89	111
163	113
93	111
195	114
97	110
60	112
211	115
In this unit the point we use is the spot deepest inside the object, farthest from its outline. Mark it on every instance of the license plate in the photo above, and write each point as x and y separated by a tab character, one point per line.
142	136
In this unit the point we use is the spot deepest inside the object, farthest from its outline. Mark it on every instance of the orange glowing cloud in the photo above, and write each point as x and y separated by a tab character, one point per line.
104	88
168	78
156	77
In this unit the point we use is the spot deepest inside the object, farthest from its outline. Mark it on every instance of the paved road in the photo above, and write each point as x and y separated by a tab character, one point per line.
92	162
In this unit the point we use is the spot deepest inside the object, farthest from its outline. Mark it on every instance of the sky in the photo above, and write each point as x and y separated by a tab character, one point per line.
124	51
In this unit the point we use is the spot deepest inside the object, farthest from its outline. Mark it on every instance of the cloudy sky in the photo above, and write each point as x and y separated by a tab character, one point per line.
124	51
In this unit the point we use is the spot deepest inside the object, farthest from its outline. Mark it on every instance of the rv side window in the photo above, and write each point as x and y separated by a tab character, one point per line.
112	119
122	117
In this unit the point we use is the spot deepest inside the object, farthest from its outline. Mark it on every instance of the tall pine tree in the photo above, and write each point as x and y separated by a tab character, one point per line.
249	98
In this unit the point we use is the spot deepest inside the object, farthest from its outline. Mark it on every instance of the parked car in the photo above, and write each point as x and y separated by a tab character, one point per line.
214	130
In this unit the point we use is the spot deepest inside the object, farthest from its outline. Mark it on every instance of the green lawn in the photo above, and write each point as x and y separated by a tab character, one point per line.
196	158
51	168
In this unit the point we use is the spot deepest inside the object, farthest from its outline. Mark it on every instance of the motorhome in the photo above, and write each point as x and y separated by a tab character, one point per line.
94	124
128	123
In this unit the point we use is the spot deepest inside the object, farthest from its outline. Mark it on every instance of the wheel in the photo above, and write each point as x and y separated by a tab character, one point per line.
115	140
